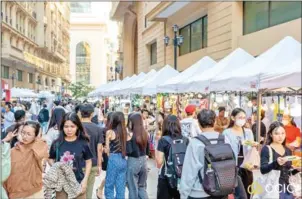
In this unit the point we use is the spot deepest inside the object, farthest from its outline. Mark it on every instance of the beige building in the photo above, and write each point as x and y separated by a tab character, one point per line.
92	45
35	45
209	29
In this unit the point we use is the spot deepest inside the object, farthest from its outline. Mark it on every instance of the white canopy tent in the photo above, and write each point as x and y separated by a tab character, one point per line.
45	94
249	76
287	76
110	91
174	85
149	76
124	87
102	87
100	91
148	87
22	93
202	82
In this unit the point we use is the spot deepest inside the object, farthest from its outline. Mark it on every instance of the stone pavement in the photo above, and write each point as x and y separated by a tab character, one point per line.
151	182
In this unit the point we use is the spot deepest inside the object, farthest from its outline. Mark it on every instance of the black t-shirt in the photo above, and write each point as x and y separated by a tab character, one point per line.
262	130
96	137
81	151
164	146
133	149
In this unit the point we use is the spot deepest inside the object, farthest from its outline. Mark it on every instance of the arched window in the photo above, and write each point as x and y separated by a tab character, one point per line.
83	63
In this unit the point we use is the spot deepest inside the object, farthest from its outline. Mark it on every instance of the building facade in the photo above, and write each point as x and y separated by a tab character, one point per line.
209	29
35	45
89	43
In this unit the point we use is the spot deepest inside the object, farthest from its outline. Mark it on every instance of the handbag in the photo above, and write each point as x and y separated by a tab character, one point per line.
295	185
252	160
266	186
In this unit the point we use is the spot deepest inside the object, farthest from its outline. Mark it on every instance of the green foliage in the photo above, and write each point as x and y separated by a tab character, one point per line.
80	89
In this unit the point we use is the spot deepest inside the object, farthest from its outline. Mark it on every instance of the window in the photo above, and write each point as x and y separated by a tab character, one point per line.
30	78
80	7
83	63
19	75
260	15
195	36
153	53
4	72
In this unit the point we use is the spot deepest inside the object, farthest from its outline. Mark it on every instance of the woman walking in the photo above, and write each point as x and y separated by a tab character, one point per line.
276	146
117	164
137	152
25	180
171	128
237	134
73	141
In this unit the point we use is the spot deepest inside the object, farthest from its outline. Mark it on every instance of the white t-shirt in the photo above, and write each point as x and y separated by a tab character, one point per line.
189	127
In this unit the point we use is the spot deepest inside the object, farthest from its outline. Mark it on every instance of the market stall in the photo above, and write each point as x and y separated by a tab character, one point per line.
174	85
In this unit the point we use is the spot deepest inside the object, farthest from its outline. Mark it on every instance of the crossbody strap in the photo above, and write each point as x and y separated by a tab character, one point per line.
270	152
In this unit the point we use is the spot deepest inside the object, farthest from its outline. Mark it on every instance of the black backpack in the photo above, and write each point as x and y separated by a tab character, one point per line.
43	116
220	171
174	163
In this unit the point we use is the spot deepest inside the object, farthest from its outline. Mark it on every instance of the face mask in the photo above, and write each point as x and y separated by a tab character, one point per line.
285	122
240	122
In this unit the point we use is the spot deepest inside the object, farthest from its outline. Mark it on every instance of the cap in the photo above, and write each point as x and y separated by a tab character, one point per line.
190	109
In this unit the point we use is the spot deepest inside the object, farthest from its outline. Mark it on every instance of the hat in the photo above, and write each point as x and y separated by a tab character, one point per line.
190	109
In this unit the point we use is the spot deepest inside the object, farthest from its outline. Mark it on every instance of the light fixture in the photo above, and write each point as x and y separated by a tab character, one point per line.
180	40
175	28
166	40
272	106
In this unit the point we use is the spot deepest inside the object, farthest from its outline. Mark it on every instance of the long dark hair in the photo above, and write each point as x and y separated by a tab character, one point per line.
73	117
272	128
234	113
171	126
109	116
56	118
136	126
117	123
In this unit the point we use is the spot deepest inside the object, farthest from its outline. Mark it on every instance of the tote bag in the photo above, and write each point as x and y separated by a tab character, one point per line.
267	186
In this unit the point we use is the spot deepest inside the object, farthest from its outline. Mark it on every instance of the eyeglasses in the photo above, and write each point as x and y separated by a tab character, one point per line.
23	133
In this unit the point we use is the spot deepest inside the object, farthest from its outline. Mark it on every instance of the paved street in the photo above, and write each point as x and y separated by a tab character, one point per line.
151	184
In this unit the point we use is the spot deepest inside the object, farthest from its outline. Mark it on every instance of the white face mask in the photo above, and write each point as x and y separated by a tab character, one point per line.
240	122
285	122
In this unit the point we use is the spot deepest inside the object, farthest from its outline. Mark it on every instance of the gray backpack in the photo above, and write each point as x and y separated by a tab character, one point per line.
220	171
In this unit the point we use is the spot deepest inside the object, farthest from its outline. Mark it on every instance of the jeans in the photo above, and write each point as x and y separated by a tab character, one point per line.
44	126
239	190
137	174
116	176
286	195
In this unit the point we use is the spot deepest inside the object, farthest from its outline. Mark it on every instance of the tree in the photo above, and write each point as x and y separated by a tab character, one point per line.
80	89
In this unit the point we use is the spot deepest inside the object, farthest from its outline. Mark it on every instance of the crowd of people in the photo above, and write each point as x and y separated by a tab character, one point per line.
58	151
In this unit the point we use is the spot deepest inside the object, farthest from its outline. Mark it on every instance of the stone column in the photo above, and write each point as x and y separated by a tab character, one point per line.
14	16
